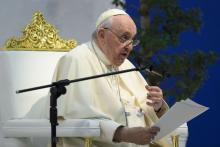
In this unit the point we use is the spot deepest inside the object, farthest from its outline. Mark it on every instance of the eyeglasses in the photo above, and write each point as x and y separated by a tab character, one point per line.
125	39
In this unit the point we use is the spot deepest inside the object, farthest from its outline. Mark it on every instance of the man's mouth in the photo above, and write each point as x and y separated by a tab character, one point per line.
124	55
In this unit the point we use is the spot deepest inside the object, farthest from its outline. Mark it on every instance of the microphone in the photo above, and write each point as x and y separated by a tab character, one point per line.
151	69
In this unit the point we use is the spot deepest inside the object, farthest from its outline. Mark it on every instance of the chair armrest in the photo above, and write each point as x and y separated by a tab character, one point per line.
42	128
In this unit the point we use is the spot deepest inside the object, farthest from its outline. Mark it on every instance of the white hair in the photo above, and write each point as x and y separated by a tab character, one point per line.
105	24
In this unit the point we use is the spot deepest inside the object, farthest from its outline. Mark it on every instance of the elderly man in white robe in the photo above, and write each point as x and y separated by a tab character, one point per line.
124	104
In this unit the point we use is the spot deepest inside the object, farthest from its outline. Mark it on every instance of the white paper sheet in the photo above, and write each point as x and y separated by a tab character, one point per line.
178	114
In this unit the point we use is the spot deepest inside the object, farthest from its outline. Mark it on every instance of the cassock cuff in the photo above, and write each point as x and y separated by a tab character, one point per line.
164	108
108	128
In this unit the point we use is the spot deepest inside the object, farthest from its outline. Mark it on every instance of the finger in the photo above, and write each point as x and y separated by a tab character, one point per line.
154	129
155	99
155	94
152	104
151	129
147	87
152	88
153	134
149	137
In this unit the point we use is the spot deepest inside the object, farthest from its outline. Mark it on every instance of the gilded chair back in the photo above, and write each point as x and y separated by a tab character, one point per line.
40	35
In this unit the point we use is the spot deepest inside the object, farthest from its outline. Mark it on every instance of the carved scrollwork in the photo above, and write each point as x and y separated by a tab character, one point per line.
40	35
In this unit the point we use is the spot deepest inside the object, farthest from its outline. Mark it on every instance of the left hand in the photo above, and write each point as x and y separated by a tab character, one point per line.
155	95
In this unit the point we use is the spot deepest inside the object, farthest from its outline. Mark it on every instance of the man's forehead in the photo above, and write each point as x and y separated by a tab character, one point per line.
123	23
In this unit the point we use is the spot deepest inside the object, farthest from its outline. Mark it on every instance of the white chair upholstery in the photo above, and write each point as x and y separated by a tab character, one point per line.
182	133
24	69
41	127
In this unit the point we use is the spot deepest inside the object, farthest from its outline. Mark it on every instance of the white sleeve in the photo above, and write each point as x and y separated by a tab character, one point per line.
108	128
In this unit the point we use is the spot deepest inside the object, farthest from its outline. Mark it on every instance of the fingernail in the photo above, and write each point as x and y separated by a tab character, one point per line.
147	86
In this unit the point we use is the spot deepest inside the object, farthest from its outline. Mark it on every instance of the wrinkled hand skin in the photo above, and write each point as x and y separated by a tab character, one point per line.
136	135
155	95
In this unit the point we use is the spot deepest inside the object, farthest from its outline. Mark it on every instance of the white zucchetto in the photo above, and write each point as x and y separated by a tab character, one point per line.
105	15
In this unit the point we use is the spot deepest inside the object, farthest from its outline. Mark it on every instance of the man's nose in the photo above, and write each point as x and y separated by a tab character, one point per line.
129	46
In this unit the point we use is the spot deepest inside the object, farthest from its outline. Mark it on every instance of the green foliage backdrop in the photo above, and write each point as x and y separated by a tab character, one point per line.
162	22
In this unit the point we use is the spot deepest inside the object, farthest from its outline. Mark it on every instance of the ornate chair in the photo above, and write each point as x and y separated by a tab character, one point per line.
26	62
30	61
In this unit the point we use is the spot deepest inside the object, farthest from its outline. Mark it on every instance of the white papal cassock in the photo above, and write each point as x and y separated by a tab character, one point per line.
114	100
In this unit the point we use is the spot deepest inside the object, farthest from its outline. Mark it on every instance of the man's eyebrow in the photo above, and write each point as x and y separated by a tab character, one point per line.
127	34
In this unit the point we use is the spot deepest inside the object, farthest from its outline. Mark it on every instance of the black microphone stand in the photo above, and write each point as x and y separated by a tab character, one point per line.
58	88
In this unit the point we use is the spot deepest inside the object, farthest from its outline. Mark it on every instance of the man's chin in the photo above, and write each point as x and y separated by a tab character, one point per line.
120	62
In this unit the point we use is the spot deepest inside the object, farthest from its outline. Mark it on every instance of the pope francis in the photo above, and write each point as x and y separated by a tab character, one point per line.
125	104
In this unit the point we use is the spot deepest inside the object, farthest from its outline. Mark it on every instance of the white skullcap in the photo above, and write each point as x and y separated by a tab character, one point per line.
105	15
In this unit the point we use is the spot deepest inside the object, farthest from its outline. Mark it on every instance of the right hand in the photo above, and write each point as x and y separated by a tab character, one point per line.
137	135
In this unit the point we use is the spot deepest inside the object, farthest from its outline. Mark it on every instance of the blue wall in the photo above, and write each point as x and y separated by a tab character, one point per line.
204	129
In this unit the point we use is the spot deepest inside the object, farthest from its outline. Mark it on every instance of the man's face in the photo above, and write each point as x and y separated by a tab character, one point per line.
117	40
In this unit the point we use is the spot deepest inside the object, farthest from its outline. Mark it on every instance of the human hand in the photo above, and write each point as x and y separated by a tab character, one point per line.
137	135
156	96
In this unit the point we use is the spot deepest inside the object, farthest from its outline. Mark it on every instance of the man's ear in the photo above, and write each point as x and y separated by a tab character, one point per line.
101	34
